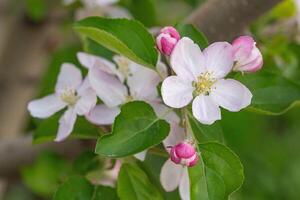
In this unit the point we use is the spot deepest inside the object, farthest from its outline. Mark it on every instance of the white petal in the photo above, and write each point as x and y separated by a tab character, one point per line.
89	61
108	88
164	112
87	98
219	58
99	3
46	106
162	69
141	156
170	175
175	136
184	185
69	77
231	95
103	115
206	110
142	84
66	125
187	59
176	92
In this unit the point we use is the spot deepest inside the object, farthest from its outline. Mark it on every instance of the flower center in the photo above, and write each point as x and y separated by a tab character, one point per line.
129	98
69	96
203	84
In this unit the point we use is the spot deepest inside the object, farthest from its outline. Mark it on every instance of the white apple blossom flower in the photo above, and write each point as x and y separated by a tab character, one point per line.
70	92
173	175
200	77
108	81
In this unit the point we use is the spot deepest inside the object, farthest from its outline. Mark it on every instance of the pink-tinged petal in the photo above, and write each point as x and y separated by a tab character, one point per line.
142	83
242	47
177	92
173	156
187	60
171	31
46	106
103	115
66	125
107	87
68	78
141	156
87	98
170	175
193	160
251	64
231	95
184	185
184	150
205	110
219	58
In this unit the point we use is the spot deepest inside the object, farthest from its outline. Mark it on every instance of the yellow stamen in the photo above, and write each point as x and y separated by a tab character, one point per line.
69	96
203	84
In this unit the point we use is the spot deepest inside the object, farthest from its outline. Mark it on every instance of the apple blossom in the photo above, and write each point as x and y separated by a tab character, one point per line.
173	175
106	78
200	77
70	92
247	56
167	40
184	153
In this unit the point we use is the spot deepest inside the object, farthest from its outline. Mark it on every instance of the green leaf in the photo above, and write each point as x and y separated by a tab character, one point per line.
75	188
47	129
44	176
135	129
134	184
218	174
79	188
272	93
92	47
123	36
188	30
206	133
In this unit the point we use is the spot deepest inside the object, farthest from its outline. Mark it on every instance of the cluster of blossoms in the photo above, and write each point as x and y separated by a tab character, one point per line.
199	78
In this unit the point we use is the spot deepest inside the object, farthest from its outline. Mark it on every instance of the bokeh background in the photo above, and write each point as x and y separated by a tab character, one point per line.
36	36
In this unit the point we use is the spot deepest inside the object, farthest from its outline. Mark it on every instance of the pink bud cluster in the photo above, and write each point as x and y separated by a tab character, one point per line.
247	56
167	40
184	153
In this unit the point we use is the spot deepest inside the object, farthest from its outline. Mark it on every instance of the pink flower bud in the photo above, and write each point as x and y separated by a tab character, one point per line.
247	56
184	153
167	39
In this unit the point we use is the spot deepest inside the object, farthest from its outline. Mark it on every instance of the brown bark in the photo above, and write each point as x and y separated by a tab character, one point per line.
226	19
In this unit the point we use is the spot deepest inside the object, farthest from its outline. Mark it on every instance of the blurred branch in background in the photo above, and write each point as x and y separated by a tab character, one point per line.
224	20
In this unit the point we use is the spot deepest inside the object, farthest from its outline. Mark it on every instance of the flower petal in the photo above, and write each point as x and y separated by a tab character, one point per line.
205	109
176	92
219	58
87	98
103	115
46	106
142	83
69	77
89	61
184	185
66	124
231	95
170	175
187	59
108	88
141	156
